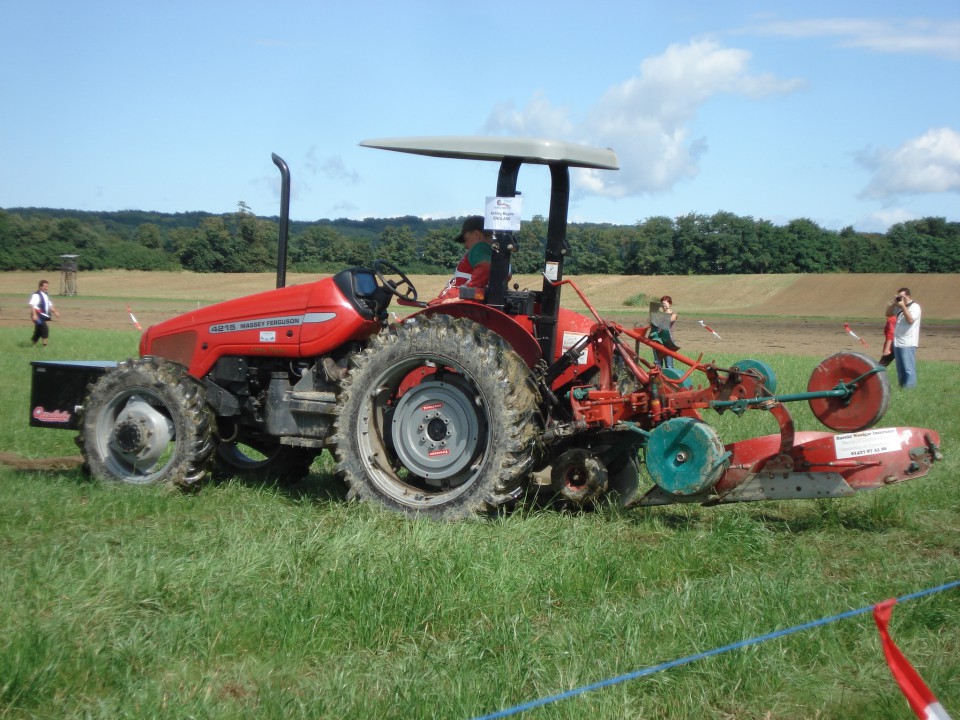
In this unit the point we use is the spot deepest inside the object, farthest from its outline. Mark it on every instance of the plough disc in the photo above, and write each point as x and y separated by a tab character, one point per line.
870	398
685	456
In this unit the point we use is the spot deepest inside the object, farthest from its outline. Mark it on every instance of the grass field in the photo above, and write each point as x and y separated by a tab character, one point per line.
248	601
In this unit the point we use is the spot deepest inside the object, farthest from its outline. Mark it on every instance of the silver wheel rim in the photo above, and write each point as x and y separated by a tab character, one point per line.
430	447
136	436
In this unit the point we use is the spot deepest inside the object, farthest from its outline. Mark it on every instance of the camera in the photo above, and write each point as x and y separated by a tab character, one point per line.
896	298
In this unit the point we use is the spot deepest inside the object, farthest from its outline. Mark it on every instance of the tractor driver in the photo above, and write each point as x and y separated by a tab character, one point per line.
473	270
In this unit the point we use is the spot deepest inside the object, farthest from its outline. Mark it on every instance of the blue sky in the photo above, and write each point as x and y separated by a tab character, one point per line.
847	113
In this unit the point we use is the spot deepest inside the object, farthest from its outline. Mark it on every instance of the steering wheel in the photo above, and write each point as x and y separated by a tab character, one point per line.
379	266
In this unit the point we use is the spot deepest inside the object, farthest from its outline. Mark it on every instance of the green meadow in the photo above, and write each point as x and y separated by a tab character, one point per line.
252	601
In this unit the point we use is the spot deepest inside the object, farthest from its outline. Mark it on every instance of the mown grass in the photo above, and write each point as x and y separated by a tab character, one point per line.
261	602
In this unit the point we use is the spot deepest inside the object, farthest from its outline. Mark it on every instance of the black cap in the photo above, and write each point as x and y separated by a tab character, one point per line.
474	222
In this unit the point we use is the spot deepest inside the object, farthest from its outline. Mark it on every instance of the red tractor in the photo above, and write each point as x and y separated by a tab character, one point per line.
462	407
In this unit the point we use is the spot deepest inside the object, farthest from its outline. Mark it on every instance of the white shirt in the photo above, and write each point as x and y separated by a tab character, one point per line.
35	302
907	334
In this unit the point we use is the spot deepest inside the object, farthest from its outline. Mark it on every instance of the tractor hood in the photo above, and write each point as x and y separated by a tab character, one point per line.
281	301
289	322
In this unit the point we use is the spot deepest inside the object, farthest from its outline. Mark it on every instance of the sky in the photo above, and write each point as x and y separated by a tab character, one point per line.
845	113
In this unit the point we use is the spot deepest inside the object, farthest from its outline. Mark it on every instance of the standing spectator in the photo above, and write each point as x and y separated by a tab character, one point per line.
40	308
662	321
906	336
886	357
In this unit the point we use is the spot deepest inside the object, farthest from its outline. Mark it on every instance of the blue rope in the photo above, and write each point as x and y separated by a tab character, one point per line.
699	656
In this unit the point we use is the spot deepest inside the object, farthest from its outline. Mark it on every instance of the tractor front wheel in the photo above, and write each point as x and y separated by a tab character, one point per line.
146	422
439	418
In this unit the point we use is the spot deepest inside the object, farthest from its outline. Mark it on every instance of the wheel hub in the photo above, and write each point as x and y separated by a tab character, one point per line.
435	429
128	436
141	433
579	477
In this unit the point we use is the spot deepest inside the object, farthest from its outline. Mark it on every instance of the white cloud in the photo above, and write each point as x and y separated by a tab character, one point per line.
538	119
647	117
929	163
916	36
335	169
332	167
343	208
880	221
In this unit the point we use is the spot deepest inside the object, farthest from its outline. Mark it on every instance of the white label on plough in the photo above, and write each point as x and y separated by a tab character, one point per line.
572	338
867	442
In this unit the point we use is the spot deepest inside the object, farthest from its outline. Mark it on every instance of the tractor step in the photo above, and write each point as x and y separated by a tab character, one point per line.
313	402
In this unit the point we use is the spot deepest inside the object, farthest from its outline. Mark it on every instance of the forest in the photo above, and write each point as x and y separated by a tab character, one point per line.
694	244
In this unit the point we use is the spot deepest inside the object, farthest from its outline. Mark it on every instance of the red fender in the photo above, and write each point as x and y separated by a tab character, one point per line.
517	335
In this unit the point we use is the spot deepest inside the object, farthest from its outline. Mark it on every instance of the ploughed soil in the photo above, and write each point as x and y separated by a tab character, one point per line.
810	338
51	463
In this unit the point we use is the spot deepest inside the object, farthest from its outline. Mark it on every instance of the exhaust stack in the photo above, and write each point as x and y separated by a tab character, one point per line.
284	219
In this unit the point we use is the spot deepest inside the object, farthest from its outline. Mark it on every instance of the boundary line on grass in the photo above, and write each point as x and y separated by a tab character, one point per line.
699	656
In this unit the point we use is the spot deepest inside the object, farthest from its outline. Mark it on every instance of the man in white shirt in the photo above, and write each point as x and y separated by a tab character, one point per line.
906	336
41	306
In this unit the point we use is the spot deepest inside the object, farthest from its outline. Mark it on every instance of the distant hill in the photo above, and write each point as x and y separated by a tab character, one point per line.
693	244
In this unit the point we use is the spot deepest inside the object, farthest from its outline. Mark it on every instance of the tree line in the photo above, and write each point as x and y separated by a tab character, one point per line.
695	244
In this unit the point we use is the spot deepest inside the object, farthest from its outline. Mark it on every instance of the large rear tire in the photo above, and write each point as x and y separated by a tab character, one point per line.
439	418
146	422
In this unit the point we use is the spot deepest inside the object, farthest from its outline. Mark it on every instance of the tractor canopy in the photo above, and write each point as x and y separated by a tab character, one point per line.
524	150
511	153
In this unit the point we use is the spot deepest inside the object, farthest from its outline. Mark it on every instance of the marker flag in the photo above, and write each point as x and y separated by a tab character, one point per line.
134	319
846	326
921	700
710	329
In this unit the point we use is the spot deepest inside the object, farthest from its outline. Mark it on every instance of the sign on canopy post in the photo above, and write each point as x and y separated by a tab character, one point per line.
502	214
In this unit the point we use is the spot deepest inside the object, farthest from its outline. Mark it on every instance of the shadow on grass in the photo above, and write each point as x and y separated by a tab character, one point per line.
877	514
317	488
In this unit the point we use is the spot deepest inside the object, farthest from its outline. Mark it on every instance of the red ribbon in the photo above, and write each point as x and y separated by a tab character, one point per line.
921	700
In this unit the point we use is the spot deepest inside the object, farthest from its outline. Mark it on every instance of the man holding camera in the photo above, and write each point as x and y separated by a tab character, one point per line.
906	336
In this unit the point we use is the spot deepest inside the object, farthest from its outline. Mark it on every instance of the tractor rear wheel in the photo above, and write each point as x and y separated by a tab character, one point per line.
439	418
146	422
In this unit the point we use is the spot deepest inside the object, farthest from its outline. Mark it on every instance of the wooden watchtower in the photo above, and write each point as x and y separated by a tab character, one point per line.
68	274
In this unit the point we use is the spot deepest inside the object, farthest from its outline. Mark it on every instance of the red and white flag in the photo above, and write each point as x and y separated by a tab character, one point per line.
133	318
709	330
846	326
921	700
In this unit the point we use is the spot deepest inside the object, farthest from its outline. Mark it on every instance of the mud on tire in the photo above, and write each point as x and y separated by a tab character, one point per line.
438	417
146	422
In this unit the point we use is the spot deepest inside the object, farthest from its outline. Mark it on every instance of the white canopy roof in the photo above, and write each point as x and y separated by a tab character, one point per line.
528	150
